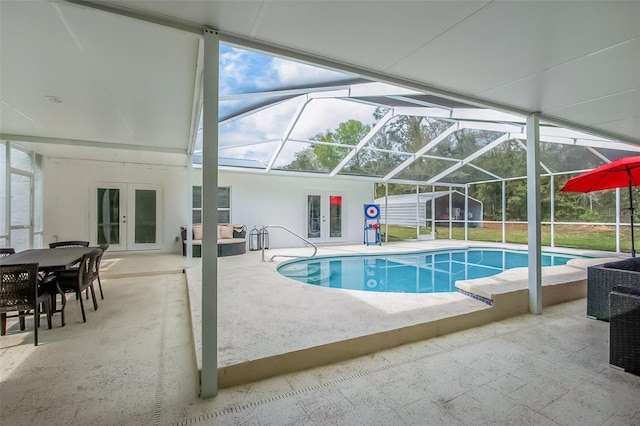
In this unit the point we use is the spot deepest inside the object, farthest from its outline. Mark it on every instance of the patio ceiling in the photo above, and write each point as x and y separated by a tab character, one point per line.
79	81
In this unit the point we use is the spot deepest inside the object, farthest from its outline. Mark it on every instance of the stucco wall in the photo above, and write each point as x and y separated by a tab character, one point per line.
259	199
256	199
67	186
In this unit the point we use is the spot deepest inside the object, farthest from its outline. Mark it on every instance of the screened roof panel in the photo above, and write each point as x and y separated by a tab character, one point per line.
423	169
255	155
563	158
507	160
373	163
466	174
307	157
614	154
265	100
464	142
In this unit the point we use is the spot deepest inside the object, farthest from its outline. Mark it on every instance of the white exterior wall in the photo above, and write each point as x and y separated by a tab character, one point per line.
260	199
67	186
256	199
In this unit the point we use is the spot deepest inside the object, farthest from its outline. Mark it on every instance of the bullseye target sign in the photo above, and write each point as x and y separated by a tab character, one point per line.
372	211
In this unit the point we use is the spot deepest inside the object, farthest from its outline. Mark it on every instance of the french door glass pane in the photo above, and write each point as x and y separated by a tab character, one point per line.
145	218
335	216
313	209
108	216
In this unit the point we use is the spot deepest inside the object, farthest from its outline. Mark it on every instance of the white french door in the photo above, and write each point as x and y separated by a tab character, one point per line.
325	217
127	216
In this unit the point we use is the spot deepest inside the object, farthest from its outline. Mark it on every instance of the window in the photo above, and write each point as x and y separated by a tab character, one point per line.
224	204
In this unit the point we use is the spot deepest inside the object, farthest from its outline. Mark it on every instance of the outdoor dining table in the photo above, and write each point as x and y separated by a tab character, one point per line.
49	261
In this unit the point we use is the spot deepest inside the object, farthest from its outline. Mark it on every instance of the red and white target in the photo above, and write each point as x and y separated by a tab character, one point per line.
372	211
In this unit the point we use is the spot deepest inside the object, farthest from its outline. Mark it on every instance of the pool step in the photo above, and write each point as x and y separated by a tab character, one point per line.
312	274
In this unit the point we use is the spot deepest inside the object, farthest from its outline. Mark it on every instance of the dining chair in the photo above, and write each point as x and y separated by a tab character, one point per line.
19	292
104	248
62	244
79	279
7	251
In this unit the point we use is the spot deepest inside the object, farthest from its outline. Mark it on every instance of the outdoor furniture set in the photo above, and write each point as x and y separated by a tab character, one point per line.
231	240
31	281
613	294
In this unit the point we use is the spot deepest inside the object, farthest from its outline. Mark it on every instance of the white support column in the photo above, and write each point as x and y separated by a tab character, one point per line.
386	212
417	212
209	374
189	212
466	212
553	209
533	213
450	214
433	212
504	212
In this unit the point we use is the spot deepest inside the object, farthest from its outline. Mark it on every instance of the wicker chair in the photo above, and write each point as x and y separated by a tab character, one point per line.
62	244
624	329
79	279
602	278
7	251
19	292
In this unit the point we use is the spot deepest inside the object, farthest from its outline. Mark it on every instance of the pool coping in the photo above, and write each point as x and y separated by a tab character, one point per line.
312	343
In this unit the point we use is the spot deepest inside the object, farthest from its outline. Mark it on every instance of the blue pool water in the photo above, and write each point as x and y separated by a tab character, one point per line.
428	272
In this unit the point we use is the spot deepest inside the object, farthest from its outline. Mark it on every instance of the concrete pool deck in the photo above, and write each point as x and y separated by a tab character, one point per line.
270	325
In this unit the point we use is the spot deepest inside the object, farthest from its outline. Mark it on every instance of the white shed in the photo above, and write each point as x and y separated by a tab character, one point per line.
414	209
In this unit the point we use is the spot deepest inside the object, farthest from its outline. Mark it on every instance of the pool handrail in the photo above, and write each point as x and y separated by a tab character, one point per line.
315	248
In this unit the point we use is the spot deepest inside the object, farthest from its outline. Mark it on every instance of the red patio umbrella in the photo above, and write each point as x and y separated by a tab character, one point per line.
621	173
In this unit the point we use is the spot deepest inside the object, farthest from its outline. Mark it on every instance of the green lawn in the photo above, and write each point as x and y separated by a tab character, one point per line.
573	236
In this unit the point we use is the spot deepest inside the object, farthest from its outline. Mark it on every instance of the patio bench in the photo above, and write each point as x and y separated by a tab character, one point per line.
231	240
602	278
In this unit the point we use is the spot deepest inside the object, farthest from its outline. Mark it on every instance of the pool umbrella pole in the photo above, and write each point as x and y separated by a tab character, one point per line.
633	246
621	173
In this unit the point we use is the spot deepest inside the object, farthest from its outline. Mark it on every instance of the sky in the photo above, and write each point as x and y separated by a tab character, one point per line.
243	71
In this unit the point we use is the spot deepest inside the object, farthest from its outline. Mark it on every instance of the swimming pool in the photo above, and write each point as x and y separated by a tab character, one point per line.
426	272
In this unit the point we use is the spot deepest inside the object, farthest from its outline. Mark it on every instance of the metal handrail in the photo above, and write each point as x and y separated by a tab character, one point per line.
315	248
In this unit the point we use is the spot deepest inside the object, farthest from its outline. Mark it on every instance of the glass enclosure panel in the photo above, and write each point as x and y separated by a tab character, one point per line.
313	216
108	216
20	239
145	216
21	160
335	216
20	200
